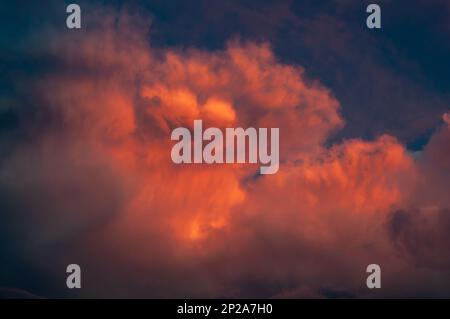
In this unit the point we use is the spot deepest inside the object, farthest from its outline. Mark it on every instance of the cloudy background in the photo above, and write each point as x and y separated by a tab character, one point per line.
86	175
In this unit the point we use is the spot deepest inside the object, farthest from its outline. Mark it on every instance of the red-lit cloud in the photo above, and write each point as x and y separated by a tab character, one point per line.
99	182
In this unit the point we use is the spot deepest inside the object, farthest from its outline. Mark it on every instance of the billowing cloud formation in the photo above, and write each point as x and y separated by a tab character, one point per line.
88	178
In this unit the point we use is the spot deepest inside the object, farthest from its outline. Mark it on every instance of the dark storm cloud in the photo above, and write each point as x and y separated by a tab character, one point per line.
423	236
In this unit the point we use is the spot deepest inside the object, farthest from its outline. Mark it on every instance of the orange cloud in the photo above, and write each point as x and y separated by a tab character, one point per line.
223	225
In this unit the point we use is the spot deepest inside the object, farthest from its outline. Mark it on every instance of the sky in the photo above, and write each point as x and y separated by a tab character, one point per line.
86	175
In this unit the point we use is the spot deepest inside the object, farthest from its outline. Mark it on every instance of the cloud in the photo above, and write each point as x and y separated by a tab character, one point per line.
89	179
